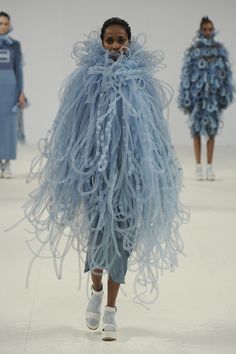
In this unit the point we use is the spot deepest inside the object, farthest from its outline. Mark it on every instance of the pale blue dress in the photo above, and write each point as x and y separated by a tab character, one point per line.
11	84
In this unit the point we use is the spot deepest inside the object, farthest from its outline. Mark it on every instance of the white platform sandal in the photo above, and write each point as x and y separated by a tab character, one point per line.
199	172
109	327
6	170
210	175
93	313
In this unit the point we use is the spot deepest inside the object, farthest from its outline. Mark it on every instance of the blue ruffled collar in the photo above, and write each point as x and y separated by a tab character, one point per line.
4	38
91	53
206	41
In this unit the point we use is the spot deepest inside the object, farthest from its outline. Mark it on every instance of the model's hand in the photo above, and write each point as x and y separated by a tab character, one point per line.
22	101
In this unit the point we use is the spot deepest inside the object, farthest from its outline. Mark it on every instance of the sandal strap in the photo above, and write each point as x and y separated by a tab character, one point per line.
93	315
109	325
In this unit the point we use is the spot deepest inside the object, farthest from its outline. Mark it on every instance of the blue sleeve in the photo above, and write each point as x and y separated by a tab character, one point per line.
18	67
227	88
185	99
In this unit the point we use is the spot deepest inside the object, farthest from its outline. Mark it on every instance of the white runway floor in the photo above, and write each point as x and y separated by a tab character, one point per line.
196	310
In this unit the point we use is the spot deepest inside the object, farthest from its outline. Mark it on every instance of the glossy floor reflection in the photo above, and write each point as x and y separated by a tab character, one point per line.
195	313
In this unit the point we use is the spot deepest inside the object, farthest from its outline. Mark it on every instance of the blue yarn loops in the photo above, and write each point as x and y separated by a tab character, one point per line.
107	172
206	86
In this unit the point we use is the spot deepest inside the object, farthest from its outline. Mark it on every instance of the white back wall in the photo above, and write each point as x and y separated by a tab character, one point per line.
47	30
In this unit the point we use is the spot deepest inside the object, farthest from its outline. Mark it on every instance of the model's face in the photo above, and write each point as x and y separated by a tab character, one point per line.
4	24
207	29
115	37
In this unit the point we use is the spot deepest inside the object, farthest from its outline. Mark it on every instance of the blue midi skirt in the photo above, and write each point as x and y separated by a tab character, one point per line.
8	124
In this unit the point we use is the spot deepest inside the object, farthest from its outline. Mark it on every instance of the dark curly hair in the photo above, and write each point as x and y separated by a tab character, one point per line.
204	20
2	13
116	21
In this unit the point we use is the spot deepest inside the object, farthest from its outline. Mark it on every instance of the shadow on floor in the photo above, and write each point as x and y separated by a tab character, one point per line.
206	335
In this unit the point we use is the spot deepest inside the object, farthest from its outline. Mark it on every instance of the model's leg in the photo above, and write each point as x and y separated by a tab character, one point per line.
210	151
197	148
96	276
197	151
109	322
93	313
112	292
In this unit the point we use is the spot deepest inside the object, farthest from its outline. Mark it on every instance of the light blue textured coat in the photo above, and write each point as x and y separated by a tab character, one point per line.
109	180
206	86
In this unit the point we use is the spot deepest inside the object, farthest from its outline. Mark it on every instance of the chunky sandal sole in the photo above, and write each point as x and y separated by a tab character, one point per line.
109	336
92	316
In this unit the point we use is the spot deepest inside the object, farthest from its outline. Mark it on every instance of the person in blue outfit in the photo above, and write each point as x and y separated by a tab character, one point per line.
206	89
109	180
11	93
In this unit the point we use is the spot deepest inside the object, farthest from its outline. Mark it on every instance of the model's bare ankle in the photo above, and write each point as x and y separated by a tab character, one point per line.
97	287
111	304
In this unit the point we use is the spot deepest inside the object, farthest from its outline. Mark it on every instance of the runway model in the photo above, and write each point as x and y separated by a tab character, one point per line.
109	178
206	89
11	93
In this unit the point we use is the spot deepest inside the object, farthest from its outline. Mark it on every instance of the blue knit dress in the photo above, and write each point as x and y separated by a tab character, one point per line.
206	87
109	180
11	84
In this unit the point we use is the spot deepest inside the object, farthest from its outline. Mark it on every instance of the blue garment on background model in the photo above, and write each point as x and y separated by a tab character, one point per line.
109	180
20	127
206	86
11	85
20	121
